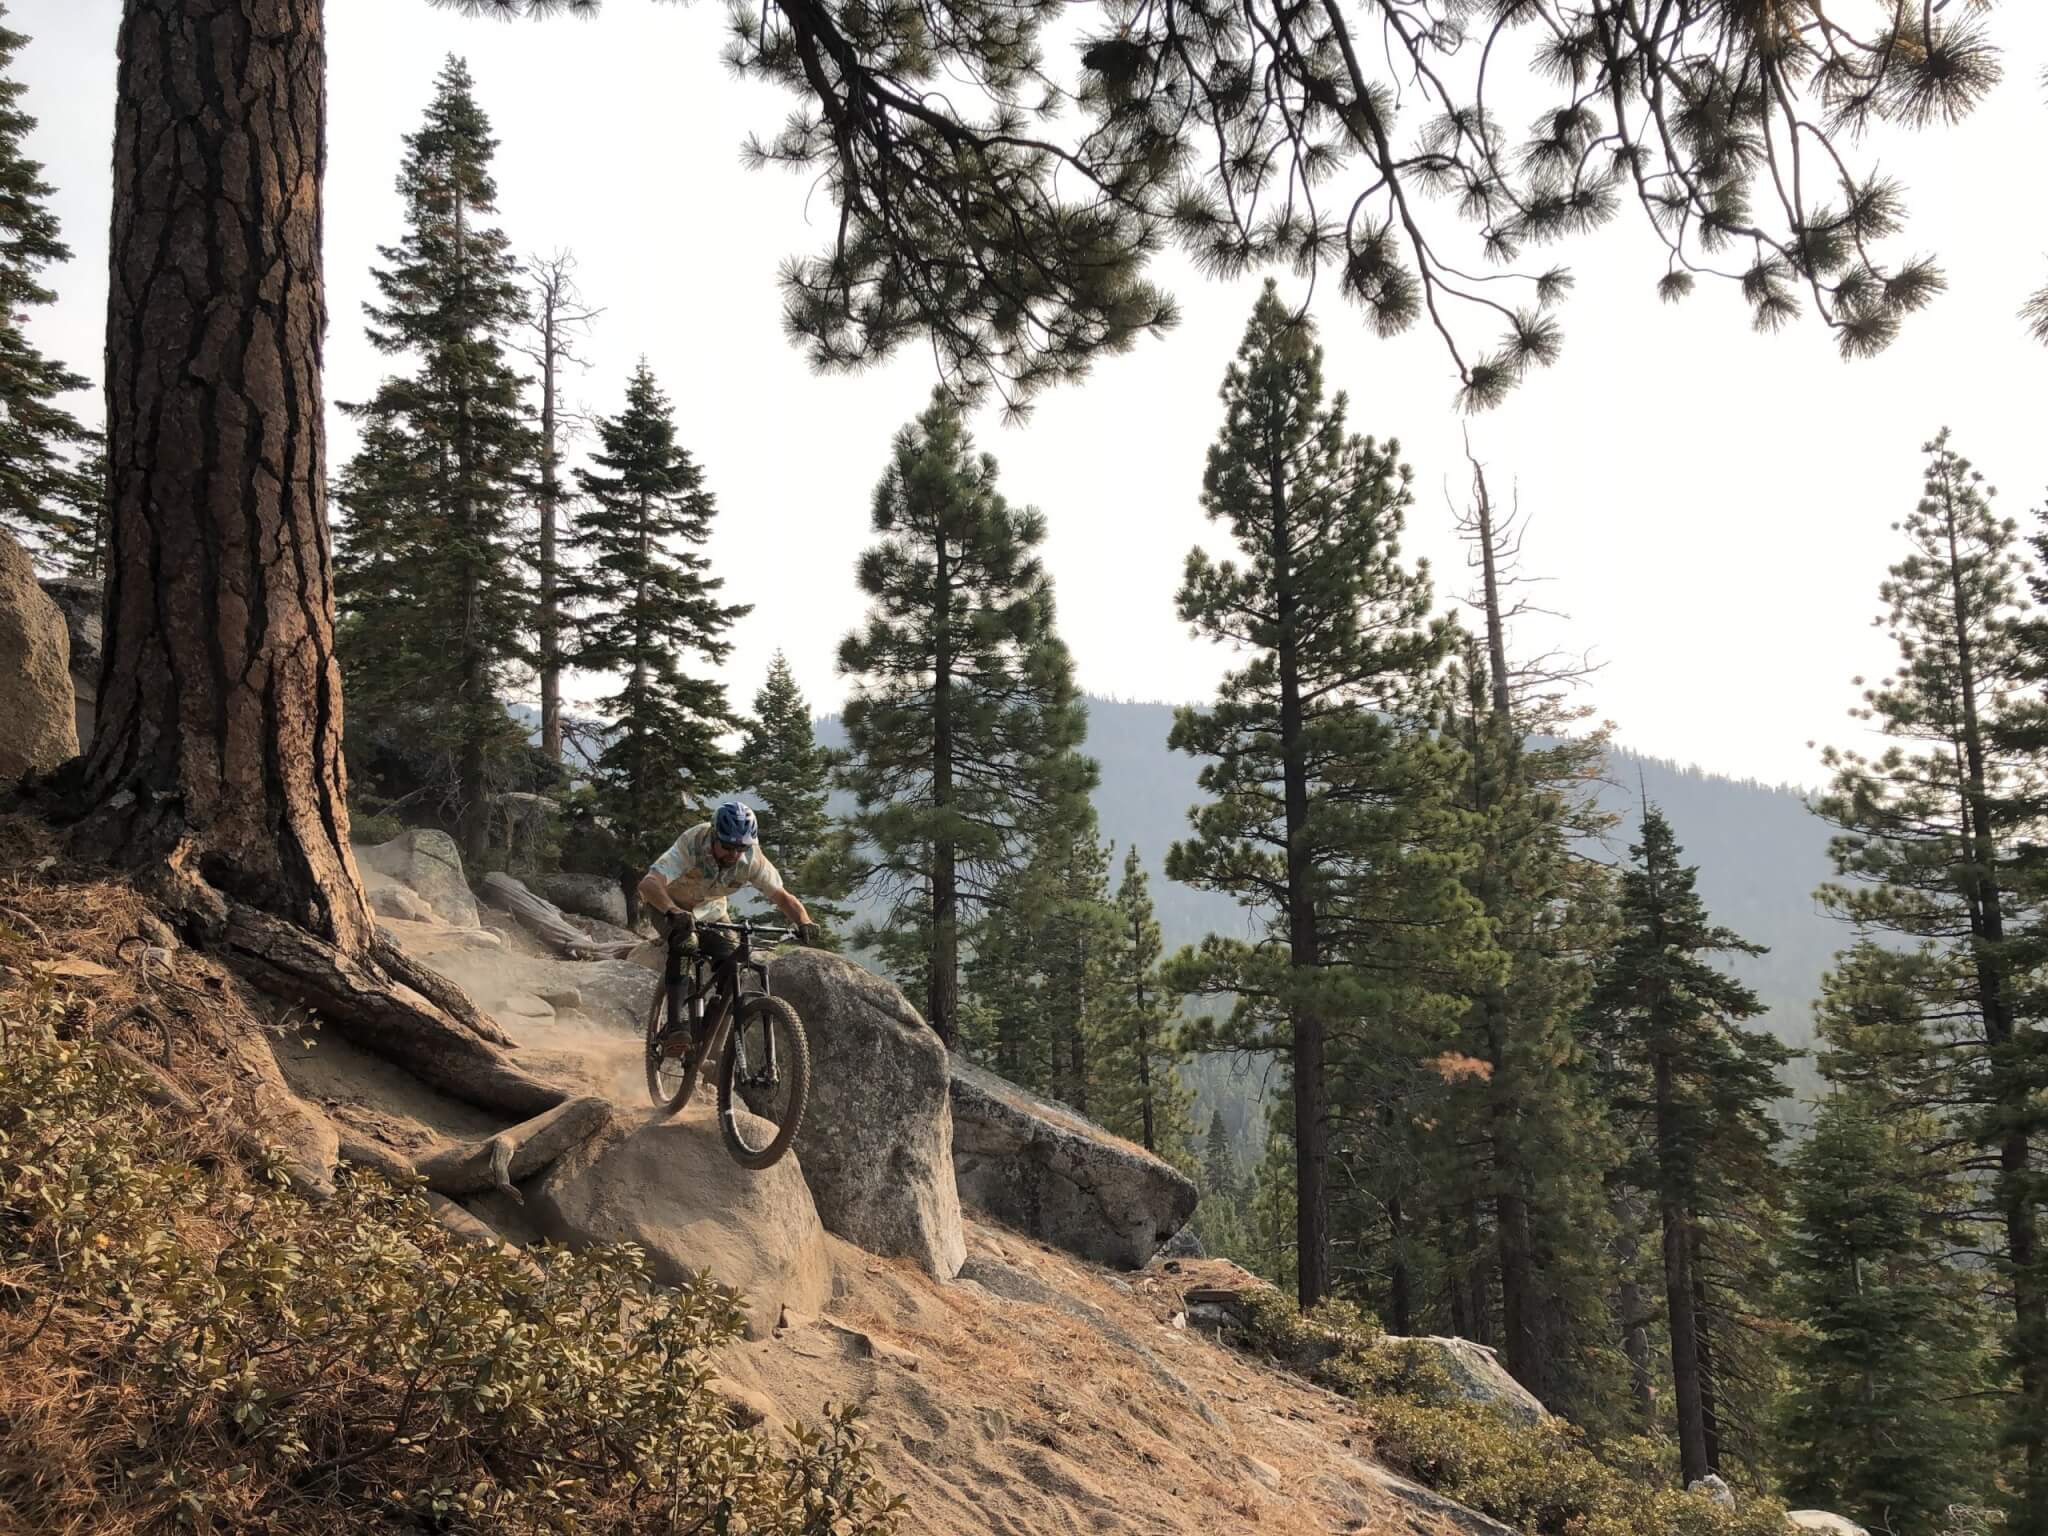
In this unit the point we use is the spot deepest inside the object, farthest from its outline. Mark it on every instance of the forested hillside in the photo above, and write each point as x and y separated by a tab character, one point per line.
1761	852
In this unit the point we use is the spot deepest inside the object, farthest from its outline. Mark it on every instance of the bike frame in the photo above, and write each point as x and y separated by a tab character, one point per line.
722	977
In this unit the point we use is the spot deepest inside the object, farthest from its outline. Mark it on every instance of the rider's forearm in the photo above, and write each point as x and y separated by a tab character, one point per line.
654	891
792	908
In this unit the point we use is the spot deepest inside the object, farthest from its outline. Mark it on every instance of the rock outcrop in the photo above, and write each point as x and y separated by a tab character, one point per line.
1822	1523
669	1186
586	896
79	599
1049	1172
877	1140
1477	1374
38	717
428	863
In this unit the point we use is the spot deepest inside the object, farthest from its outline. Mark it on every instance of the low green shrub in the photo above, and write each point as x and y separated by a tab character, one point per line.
188	1344
1543	1478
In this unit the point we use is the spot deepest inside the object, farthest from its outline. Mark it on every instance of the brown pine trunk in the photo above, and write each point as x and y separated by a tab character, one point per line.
219	729
1524	1340
1680	1305
942	1002
216	768
1306	1029
550	623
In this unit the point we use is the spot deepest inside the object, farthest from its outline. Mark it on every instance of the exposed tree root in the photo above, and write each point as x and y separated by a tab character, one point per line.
518	1152
383	1014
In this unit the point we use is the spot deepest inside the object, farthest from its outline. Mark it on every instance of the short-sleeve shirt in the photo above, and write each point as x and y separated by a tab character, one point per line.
699	886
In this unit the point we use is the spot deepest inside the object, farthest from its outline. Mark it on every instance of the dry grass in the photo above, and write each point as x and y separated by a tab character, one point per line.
186	1344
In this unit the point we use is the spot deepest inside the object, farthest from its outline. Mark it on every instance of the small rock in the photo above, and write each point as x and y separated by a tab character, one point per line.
479	938
1712	1486
995	1424
527	1006
1179	1319
562	997
1265	1476
400	902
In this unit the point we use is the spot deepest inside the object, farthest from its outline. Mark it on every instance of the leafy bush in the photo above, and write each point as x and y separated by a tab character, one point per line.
1543	1478
189	1344
367	826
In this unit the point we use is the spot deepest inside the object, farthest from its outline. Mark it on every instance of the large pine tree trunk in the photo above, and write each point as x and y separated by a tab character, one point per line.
1308	1042
219	733
216	770
1678	1288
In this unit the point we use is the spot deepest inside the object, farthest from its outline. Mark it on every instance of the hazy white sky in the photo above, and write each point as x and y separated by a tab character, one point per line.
1713	507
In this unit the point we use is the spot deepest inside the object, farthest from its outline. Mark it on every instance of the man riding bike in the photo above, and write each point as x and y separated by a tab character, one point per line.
690	883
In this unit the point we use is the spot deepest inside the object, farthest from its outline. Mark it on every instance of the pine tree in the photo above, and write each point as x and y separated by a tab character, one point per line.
37	434
1934	840
791	778
963	722
1138	1043
77	535
649	602
1529	1122
1691	1089
425	563
1889	1419
559	314
1312	777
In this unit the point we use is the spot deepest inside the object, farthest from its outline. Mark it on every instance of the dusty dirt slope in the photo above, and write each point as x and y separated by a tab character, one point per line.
1037	1395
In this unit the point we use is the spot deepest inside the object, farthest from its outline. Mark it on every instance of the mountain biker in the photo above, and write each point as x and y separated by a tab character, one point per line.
689	883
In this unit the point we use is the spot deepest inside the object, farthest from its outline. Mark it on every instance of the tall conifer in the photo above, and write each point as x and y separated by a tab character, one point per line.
39	439
964	722
425	559
791	776
650	606
1691	1089
1938	846
1309	768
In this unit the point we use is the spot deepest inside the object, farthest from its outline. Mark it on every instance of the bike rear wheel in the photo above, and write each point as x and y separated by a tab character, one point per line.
764	1081
670	1079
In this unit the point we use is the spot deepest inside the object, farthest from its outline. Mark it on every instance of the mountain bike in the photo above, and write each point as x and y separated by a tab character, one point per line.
764	1061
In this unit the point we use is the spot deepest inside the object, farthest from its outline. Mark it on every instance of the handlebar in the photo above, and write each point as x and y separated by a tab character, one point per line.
762	931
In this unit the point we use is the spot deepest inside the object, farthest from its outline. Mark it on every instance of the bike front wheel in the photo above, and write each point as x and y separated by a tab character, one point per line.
671	1079
764	1081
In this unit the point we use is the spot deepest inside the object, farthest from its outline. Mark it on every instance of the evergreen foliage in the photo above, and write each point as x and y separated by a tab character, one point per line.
1936	842
791	779
1690	1089
433	609
1284	135
42	489
1889	1418
648	601
963	722
1320	809
1137	1038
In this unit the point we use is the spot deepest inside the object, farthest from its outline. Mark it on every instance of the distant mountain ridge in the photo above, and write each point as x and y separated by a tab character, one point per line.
1760	851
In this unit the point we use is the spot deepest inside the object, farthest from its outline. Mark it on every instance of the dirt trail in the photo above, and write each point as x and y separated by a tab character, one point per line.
1038	1395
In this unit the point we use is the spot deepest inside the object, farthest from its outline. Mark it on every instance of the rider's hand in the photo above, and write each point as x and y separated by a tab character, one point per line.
807	934
678	927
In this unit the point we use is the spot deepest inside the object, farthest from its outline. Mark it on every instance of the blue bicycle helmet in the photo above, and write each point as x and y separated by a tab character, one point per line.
734	825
